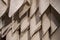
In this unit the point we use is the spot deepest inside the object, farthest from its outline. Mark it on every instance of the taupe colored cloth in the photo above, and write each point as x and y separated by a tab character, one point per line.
3	8
56	5
29	19
14	6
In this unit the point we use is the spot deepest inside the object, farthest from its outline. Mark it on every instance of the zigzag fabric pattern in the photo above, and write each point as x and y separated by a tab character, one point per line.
29	19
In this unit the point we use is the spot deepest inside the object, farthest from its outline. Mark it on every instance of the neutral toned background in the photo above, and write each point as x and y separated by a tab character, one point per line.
29	19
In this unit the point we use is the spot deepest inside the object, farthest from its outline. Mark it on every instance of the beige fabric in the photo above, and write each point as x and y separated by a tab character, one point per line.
24	23
15	26
24	10
45	23
36	36
8	27
11	36
56	35
29	19
54	23
3	8
43	5
6	1
32	25
24	36
34	7
1	25
46	37
56	5
14	6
